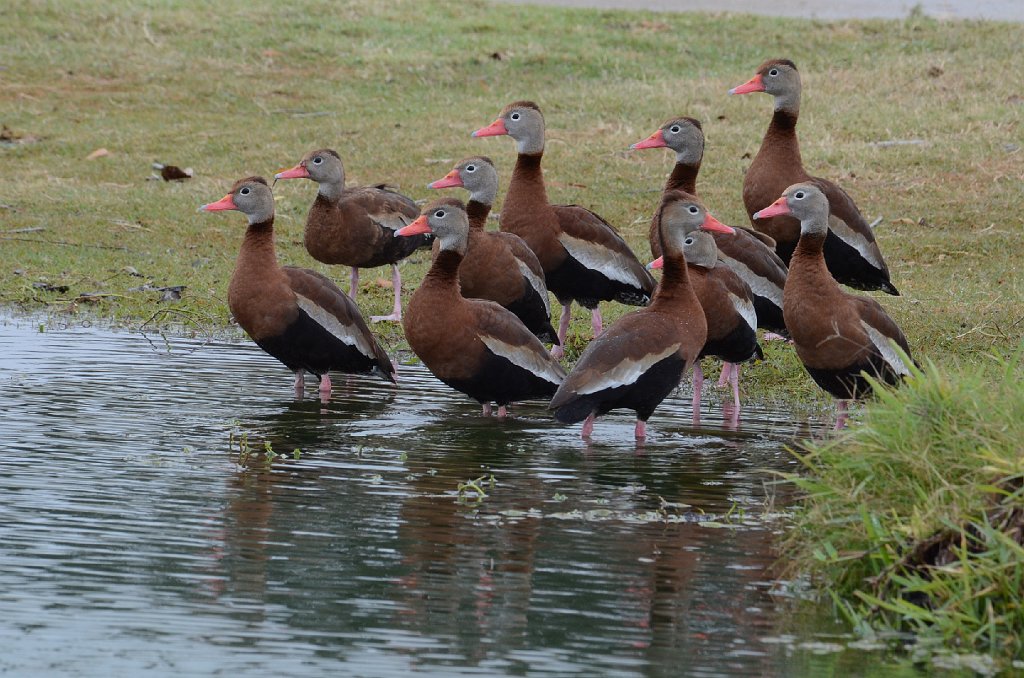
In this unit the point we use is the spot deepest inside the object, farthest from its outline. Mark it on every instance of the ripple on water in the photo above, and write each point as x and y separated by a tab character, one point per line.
132	539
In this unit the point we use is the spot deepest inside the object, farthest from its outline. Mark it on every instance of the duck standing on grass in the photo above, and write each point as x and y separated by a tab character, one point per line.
475	346
850	250
838	336
640	359
296	315
355	226
584	259
497	266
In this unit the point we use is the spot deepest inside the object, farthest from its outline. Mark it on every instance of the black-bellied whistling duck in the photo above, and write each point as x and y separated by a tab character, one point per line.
497	266
584	259
851	253
837	335
355	226
475	346
749	254
640	359
296	315
728	308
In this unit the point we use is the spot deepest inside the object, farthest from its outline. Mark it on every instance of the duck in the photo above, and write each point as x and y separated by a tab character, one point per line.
296	315
838	336
641	358
584	258
851	253
729	311
475	346
749	254
497	266
355	226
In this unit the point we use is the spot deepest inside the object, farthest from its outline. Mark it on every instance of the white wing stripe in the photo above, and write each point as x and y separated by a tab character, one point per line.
885	346
346	334
540	365
745	308
762	287
854	240
627	371
536	283
613	265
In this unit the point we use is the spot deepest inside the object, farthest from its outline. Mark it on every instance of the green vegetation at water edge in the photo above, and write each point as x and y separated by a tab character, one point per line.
914	519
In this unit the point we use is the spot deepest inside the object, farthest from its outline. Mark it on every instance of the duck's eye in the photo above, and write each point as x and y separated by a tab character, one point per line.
245	191
318	160
439	214
470	168
688	241
514	116
675	129
799	195
693	209
773	72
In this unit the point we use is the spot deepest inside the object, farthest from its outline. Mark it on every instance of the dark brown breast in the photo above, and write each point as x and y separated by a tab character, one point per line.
358	230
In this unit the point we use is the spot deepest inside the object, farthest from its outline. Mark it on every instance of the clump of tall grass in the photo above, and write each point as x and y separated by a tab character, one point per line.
913	520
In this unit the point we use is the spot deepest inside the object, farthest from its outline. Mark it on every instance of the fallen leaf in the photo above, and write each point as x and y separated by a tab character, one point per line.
382	282
98	153
49	287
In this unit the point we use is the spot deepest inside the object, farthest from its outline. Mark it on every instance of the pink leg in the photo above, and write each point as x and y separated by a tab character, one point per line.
698	387
734	377
396	312
502	411
300	383
841	409
595	321
487	410
641	429
353	283
563	329
588	427
325	386
723	379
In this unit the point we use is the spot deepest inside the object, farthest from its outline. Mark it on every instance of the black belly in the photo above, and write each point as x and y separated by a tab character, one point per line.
501	381
642	396
769	315
572	281
530	309
738	346
306	345
848	383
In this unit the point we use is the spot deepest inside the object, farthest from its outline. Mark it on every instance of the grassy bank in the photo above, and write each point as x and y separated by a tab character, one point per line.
397	86
914	520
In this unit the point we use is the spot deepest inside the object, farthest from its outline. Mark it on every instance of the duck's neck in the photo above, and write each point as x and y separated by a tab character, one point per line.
331	191
780	141
257	252
444	273
808	261
675	290
477	212
527	179
683	177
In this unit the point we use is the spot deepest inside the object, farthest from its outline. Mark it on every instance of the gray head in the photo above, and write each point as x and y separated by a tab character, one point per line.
804	201
521	120
700	249
447	220
251	196
323	166
681	214
683	135
477	175
779	78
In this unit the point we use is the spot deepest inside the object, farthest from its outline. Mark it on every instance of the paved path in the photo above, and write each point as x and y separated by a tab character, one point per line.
1004	10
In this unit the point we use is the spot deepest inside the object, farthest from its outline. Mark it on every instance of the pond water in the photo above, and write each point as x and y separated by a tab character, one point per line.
145	527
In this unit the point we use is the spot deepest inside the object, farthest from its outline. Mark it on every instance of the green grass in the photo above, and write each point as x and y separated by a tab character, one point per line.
914	519
397	86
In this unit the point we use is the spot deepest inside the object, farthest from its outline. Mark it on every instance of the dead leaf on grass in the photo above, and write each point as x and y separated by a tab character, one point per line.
171	172
98	153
